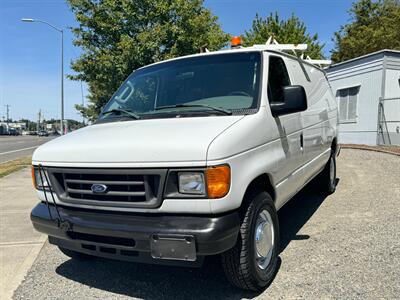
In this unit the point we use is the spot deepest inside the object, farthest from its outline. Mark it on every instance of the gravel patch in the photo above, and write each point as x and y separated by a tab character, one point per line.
345	246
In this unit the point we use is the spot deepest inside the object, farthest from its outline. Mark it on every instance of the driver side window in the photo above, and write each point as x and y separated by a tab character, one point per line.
278	78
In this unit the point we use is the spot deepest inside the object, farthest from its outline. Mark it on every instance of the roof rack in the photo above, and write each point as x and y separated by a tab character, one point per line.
272	44
320	62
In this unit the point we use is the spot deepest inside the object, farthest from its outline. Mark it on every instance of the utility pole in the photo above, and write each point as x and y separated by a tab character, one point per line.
60	30
83	103
62	83
8	112
38	123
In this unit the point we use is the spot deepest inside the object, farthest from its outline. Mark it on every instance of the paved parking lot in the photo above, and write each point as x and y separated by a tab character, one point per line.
345	246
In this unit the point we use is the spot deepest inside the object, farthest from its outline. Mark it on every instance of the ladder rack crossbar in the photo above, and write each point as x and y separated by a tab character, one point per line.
319	61
281	47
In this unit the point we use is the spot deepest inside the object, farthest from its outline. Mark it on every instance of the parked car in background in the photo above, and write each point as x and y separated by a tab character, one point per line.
43	133
13	131
192	157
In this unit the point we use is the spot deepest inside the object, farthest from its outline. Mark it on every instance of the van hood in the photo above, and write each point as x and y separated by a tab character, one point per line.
138	141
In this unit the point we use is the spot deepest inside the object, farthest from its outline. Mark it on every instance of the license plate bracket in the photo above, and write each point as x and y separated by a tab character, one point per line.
173	247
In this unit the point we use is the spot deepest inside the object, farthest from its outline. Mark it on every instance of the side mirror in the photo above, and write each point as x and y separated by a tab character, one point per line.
294	100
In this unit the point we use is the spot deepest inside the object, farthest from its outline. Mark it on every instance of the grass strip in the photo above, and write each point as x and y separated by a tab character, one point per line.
14	165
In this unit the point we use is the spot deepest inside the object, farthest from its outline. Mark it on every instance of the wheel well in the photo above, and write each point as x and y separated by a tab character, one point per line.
260	183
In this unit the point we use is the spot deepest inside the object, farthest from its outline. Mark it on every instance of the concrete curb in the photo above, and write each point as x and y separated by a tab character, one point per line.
357	147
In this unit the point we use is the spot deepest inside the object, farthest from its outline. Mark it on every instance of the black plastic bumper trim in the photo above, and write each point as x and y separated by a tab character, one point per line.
213	234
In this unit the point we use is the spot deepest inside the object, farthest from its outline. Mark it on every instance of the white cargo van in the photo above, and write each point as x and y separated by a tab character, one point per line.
192	157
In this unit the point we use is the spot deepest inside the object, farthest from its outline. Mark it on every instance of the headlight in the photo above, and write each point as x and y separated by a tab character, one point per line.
39	182
202	183
191	183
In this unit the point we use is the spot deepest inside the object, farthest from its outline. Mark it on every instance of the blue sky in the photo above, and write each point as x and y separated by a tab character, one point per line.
30	52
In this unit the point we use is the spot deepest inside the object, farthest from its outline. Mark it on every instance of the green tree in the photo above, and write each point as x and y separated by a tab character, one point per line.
375	26
119	36
290	31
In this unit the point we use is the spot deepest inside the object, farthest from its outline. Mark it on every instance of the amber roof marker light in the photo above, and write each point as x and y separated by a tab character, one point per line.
236	42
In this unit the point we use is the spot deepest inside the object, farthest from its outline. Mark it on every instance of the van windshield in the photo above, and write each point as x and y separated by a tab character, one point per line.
211	84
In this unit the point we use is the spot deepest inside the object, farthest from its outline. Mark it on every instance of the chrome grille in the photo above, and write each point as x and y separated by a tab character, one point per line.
119	187
124	187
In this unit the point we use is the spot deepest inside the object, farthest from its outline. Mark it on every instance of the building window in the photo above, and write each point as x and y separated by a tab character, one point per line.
347	100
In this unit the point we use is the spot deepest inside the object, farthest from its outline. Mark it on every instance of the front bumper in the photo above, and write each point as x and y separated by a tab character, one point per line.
129	236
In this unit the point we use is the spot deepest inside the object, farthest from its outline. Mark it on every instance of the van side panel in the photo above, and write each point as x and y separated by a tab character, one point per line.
260	150
319	120
260	144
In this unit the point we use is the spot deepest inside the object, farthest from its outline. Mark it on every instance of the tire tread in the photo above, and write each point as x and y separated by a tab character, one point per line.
235	261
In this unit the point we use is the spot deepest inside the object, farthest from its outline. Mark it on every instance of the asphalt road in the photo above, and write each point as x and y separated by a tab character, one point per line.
13	147
345	246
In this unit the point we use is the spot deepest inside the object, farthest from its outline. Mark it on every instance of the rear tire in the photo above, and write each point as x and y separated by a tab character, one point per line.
327	178
244	266
75	255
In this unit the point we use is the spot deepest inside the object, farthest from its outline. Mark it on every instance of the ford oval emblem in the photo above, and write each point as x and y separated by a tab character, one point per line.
98	188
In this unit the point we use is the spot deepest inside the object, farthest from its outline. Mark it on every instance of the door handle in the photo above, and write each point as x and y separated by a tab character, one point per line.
301	142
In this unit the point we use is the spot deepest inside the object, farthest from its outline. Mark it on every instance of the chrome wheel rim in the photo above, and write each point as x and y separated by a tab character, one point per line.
264	238
332	172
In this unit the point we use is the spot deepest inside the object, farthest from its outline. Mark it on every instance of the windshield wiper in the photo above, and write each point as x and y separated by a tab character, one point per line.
224	111
120	110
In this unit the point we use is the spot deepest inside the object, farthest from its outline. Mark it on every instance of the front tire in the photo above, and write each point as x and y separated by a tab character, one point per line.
251	264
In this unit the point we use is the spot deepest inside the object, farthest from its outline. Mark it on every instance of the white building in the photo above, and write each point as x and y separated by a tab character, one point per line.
18	125
5	127
367	90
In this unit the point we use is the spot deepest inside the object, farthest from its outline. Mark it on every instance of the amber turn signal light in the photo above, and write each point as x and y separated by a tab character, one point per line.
218	181
33	176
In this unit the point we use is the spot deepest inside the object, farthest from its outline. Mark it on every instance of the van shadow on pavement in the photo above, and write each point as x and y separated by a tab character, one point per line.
162	282
295	213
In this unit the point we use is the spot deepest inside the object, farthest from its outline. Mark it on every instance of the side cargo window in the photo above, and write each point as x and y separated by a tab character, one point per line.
278	78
